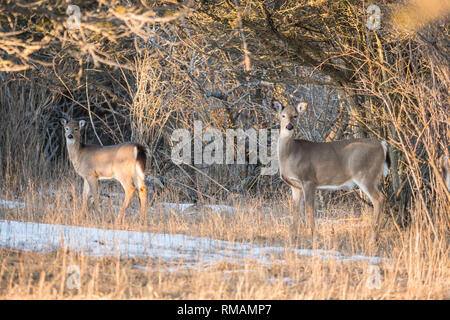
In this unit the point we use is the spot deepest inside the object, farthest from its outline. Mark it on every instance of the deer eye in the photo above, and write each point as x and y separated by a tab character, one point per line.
283	116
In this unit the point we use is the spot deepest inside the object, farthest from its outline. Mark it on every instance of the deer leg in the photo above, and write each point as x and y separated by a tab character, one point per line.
308	194
378	204
86	195
129	191
298	208
142	190
297	197
377	199
93	192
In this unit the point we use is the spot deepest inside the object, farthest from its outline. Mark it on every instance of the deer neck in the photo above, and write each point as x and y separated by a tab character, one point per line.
286	141
74	150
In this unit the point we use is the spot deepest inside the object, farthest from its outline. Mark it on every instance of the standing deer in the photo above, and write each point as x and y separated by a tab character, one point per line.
124	162
306	166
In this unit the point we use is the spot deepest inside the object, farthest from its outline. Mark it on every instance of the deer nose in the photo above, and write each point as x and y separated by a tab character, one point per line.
70	136
290	126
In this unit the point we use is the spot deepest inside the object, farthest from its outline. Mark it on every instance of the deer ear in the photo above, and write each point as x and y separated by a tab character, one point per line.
63	121
277	106
302	106
82	123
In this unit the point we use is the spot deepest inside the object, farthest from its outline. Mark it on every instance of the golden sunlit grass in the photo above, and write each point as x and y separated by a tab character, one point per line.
397	84
418	267
418	13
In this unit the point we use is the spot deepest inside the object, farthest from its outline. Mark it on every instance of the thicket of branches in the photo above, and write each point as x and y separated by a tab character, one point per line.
139	69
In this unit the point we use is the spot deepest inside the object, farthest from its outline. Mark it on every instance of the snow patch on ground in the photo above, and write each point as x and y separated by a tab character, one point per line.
180	250
11	204
184	206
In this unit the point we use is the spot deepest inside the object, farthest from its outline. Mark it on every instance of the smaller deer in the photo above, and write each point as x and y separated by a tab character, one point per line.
444	164
124	162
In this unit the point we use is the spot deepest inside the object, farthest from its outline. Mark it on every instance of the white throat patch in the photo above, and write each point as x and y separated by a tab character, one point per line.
286	133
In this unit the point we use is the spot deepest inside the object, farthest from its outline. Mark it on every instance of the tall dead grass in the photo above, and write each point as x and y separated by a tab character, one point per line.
418	267
35	172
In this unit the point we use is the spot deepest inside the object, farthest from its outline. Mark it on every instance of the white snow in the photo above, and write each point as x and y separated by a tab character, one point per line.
184	251
183	206
221	207
11	204
175	206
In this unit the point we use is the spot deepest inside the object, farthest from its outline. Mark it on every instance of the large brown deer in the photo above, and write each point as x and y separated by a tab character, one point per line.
124	162
306	166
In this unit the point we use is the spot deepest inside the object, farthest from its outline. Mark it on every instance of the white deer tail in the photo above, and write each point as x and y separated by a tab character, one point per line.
387	159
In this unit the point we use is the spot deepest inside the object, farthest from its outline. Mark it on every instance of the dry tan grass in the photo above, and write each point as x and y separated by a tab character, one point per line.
418	268
406	107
